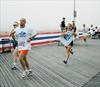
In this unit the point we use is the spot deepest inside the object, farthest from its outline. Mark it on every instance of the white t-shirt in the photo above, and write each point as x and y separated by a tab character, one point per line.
23	34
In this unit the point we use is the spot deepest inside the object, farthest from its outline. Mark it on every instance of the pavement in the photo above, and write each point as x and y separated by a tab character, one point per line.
94	81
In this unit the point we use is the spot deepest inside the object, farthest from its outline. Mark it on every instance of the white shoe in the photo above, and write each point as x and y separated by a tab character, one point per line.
29	72
24	74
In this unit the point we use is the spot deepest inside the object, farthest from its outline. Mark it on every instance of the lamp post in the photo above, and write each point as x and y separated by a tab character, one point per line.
74	11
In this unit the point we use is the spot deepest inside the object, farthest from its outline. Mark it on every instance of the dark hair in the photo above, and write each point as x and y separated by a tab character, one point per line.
96	27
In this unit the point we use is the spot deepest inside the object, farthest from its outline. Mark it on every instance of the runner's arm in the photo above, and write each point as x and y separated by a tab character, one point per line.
11	34
34	35
31	37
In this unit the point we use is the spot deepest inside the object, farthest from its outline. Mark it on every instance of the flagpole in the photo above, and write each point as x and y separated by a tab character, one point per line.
74	11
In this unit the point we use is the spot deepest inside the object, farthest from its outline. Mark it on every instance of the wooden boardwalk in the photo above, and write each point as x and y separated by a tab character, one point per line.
48	68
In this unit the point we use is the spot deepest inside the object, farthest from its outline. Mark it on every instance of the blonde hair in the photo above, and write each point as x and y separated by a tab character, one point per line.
69	26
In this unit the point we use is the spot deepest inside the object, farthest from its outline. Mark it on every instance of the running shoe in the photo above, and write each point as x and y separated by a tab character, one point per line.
23	74
65	61
29	72
14	68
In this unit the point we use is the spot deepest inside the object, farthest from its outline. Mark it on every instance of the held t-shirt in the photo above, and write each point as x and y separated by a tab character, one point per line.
67	38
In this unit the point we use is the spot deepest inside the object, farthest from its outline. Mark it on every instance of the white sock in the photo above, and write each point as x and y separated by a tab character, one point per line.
14	64
24	73
30	70
26	70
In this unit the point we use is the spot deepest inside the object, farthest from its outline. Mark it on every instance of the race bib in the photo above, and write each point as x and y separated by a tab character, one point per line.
22	43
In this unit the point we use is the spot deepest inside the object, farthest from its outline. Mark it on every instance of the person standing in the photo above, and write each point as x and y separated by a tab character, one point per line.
92	30
84	28
74	26
62	26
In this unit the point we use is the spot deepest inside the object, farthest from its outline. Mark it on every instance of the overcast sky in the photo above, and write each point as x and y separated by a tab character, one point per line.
46	15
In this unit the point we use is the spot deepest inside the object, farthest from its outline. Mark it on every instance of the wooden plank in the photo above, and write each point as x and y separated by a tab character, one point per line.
48	67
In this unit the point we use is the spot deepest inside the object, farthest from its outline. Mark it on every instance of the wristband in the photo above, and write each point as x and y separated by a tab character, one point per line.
30	38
